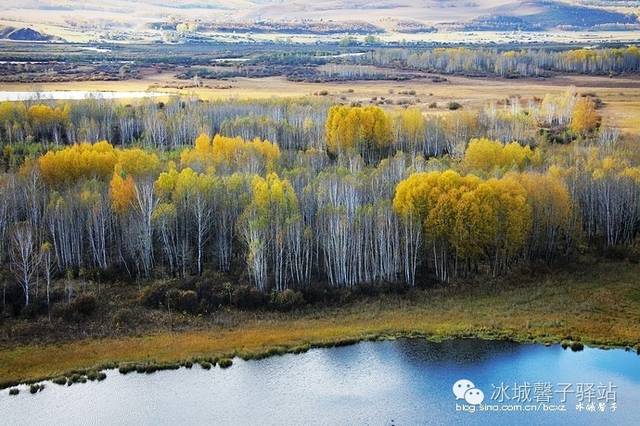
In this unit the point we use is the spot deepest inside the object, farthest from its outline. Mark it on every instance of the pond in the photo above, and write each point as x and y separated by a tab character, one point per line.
402	382
75	95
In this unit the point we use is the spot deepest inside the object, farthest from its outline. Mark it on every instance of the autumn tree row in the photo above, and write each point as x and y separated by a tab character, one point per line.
510	63
285	218
302	124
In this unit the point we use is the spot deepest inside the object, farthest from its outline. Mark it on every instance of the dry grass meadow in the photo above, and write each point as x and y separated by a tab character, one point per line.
597	305
621	95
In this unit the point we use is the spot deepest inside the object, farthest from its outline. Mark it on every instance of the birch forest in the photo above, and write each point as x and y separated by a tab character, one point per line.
288	193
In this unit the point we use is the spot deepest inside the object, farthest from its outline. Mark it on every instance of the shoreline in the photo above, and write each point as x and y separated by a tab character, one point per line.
596	305
225	359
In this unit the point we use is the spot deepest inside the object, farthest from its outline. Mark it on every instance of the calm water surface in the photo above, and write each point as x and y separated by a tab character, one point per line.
403	382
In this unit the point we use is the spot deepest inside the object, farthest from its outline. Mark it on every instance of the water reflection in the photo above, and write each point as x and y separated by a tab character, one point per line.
467	351
397	382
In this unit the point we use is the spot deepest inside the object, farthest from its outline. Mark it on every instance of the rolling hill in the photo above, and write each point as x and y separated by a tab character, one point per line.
468	15
23	34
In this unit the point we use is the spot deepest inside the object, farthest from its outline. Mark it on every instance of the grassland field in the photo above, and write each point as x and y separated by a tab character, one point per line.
592	303
621	95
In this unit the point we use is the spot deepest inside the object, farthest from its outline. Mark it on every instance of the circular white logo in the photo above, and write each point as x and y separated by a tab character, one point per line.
465	389
474	396
461	387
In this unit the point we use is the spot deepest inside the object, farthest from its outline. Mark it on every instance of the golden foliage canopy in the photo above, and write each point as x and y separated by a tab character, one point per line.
225	154
584	118
98	160
122	192
487	155
349	128
474	216
78	161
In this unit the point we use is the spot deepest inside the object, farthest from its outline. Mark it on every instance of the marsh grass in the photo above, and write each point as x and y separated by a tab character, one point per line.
225	363
36	387
577	346
61	380
593	304
126	368
76	378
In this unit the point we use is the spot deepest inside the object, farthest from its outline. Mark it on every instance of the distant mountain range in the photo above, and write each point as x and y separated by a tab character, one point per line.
23	34
553	15
324	16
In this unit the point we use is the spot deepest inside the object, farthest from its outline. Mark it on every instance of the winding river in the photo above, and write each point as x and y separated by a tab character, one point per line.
402	382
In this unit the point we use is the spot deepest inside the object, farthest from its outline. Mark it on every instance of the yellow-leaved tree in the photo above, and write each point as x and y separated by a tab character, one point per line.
552	212
584	118
466	218
270	217
122	191
412	128
358	129
225	155
485	155
79	161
